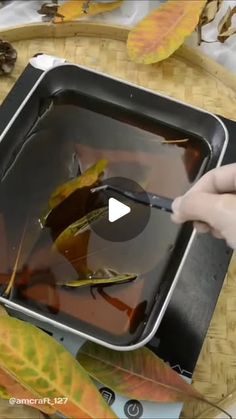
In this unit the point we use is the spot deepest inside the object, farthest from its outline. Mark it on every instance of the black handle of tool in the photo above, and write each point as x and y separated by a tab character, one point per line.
149	199
160	202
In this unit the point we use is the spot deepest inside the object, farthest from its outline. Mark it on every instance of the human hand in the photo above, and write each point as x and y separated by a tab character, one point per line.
211	204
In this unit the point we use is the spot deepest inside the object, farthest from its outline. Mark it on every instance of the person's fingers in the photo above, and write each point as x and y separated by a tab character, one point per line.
218	212
201	228
213	210
220	180
177	216
196	206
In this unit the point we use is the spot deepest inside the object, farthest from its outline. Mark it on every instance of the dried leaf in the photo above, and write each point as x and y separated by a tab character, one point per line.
209	13
75	9
224	36
164	30
34	365
88	178
118	279
226	20
137	374
50	10
8	57
224	27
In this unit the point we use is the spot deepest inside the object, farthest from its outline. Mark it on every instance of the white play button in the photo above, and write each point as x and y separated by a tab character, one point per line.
121	219
117	210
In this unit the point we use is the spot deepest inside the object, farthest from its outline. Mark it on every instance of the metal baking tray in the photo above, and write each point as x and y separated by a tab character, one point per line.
59	119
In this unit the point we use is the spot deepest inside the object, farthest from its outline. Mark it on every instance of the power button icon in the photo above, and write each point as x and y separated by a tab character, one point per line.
133	409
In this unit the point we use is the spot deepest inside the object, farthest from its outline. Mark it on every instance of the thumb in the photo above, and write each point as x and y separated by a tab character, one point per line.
200	206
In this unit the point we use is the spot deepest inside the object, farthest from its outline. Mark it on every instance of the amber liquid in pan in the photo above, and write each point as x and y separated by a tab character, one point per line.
71	134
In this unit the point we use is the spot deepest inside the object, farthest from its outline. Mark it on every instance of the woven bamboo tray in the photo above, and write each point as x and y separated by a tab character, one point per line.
188	76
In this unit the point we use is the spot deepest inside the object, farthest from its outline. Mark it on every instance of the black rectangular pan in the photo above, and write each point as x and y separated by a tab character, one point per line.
66	115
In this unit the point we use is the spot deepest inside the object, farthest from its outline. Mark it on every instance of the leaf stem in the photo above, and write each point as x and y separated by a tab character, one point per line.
184	140
13	275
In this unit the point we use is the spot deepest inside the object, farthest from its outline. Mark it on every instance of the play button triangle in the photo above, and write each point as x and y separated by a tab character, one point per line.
117	210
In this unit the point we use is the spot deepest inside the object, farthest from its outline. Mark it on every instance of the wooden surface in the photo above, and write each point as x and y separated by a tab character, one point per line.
188	76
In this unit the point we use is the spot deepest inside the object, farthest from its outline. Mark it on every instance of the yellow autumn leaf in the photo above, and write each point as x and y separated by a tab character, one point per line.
88	178
164	30
75	9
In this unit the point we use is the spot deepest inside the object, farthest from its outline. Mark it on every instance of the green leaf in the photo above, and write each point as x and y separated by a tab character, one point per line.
34	365
119	279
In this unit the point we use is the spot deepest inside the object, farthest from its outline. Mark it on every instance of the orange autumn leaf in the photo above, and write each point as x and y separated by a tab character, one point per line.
34	366
164	30
75	9
139	375
14	390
